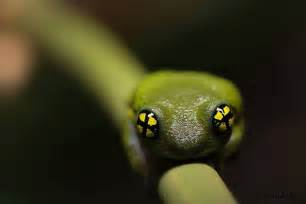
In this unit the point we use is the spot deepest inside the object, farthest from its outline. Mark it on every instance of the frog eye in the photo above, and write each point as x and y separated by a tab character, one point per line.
147	124
223	119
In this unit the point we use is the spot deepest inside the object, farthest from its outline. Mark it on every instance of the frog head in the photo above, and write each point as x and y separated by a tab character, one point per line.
187	115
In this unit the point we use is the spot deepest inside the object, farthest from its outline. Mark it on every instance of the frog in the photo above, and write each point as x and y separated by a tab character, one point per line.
172	118
178	117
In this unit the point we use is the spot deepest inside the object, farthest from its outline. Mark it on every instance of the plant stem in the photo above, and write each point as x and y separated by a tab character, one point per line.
194	183
98	58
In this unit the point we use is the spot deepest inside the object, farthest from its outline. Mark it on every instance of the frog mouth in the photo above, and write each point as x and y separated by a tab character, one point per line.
208	159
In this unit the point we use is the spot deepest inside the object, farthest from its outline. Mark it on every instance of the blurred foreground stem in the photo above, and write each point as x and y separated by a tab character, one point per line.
95	55
194	184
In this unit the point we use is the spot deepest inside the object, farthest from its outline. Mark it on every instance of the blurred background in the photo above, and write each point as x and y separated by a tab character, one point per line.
59	146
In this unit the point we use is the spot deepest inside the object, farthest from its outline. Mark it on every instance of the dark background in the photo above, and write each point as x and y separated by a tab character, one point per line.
59	145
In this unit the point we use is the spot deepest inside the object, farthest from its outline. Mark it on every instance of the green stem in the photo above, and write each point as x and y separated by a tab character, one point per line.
194	183
97	57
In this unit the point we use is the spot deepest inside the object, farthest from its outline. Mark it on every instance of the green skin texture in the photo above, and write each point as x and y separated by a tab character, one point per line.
184	103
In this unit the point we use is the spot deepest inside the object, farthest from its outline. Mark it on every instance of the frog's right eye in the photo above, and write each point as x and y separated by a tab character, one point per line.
147	124
223	119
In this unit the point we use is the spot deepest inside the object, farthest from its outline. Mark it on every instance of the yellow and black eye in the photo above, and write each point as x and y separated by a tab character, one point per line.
223	119
147	124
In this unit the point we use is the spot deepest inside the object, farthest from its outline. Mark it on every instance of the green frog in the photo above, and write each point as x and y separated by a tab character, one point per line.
176	117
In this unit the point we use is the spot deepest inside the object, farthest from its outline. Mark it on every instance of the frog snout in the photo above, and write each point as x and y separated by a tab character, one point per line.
186	138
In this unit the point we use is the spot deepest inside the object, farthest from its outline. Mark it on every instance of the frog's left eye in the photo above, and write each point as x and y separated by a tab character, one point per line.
223	119
147	124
